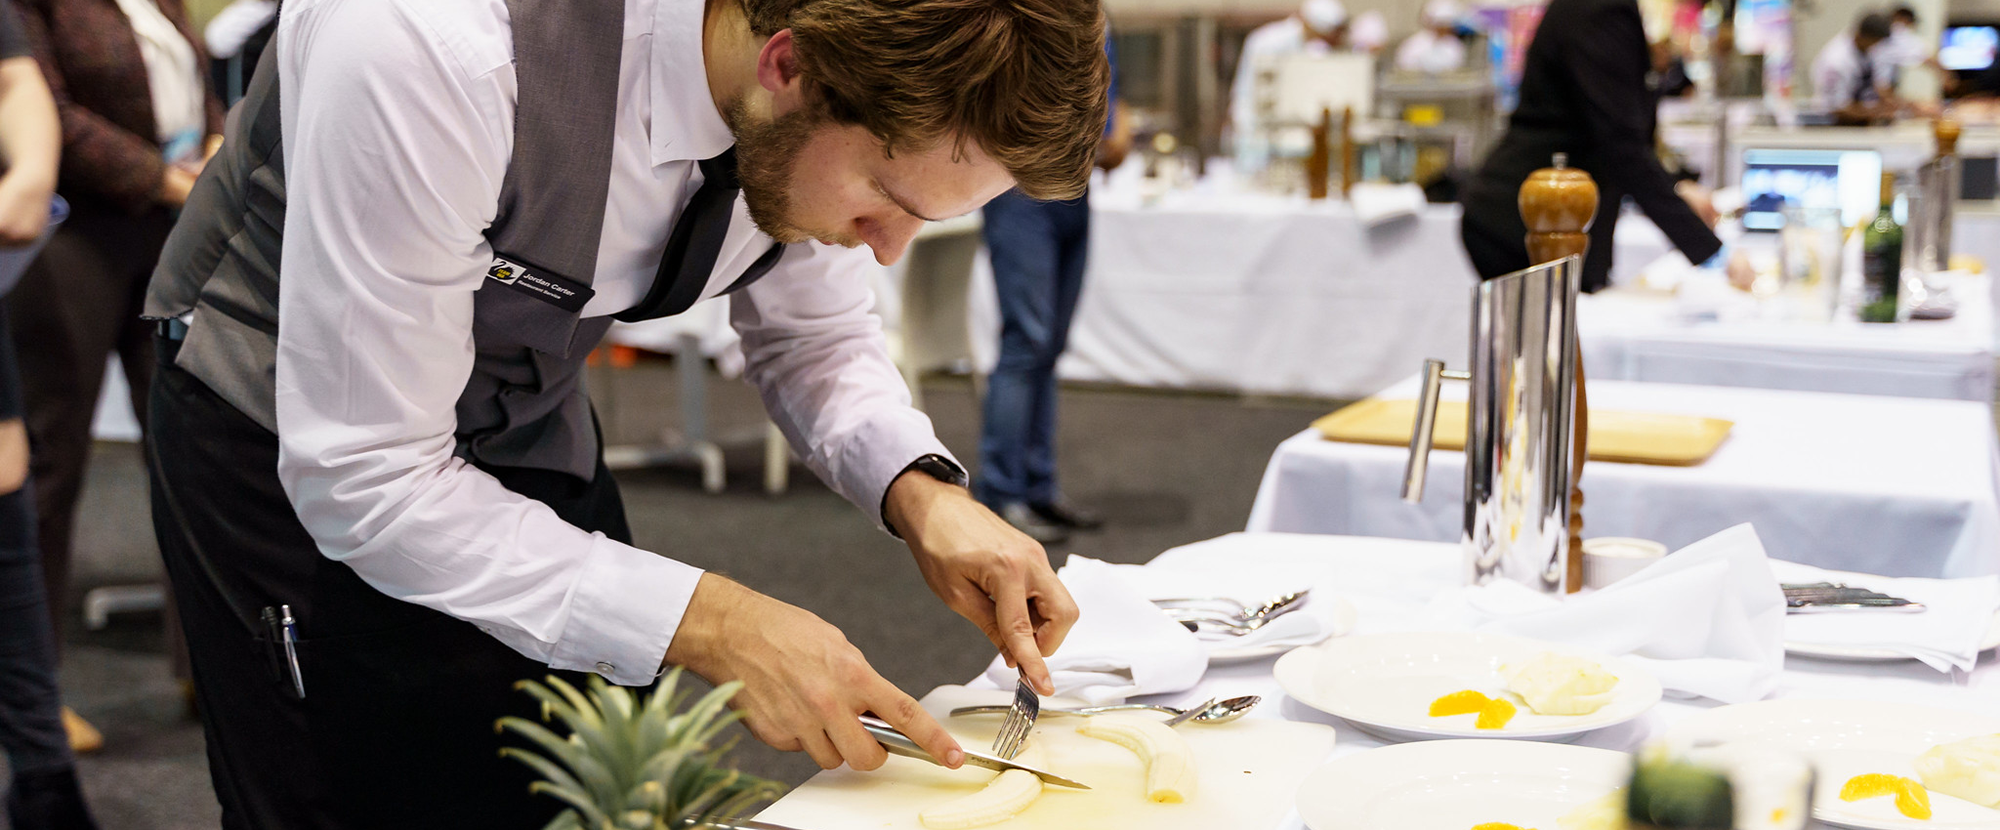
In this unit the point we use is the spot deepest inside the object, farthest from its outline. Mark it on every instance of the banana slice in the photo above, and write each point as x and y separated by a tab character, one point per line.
1006	796
1169	763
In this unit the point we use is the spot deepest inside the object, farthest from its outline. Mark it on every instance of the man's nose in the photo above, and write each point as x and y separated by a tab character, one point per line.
890	236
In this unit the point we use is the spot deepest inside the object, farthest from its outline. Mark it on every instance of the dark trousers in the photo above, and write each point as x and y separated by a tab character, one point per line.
31	728
76	305
1038	250
396	728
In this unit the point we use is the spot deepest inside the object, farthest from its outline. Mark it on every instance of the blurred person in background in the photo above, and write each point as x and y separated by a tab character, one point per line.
236	38
44	793
1369	33
1039	251
1849	81
138	122
1436	48
1905	49
1319	27
1583	92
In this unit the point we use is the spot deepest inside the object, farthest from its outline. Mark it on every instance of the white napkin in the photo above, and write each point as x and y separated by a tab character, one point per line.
1376	203
1707	620
1946	635
1311	622
1122	644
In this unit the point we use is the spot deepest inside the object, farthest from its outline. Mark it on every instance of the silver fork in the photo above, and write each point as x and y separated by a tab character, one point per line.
1021	717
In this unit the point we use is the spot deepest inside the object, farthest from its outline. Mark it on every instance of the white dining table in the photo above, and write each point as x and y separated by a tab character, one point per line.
1627	333
1895	486
1390	581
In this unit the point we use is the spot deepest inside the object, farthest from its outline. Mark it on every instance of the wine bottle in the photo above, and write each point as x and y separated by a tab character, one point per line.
1882	260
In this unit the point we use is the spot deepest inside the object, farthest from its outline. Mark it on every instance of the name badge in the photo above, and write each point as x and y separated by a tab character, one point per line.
566	294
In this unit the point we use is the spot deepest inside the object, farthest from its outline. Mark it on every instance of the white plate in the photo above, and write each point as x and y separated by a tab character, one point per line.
1845	738
1344	615
1453	785
1863	654
1384	684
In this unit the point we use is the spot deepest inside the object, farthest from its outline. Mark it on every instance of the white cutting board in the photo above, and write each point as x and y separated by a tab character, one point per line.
1249	771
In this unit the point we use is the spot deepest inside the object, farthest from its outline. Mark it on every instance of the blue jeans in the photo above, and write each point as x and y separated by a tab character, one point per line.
1038	250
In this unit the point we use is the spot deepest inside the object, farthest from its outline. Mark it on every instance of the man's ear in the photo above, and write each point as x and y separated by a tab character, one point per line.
778	65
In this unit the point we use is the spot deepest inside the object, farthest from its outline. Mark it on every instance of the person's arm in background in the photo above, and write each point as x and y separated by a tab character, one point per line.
1608	64
1116	144
103	158
30	137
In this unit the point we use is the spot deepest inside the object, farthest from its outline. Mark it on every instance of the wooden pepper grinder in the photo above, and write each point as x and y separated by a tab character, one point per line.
1558	204
1320	162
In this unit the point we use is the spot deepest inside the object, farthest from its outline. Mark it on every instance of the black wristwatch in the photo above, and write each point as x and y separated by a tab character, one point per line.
940	468
930	464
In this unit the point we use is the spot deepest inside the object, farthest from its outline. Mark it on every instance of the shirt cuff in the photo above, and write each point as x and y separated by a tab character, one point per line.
883	453
623	613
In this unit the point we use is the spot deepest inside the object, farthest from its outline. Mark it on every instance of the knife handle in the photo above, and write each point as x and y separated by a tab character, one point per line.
893	741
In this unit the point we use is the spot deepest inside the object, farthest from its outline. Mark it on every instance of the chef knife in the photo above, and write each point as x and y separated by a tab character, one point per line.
897	744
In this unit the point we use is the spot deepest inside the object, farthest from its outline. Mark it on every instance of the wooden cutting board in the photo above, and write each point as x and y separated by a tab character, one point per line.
1633	437
1250	772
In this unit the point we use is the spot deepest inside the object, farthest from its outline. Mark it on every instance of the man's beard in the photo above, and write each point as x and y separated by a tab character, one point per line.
766	153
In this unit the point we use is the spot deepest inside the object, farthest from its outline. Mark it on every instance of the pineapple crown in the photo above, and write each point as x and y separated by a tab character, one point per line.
635	765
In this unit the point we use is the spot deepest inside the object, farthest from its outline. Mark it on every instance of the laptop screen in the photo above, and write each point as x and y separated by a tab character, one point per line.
1847	180
1969	48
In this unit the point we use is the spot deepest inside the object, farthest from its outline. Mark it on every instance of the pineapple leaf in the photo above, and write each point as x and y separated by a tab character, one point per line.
549	769
579	802
589	770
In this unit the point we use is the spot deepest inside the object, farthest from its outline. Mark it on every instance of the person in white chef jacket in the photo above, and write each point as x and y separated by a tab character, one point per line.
1437	48
1319	27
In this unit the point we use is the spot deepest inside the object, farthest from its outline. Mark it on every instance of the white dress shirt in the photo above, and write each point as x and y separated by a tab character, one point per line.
398	126
1837	72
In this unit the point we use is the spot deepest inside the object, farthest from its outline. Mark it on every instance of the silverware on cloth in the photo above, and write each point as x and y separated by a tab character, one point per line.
1808	597
1197	614
898	744
1020	719
1212	712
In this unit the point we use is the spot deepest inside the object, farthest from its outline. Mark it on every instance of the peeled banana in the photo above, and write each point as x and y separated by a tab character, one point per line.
1005	797
1169	763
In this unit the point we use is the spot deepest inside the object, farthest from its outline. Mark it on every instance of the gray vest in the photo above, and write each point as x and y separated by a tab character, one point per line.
525	404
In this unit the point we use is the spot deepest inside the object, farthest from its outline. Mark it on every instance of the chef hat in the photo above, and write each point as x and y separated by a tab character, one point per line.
1323	16
1441	13
1369	32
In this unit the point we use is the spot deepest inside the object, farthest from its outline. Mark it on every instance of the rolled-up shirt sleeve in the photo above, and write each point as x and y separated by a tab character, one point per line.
395	150
815	351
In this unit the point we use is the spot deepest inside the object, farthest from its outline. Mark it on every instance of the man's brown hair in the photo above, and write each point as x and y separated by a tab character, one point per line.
1024	79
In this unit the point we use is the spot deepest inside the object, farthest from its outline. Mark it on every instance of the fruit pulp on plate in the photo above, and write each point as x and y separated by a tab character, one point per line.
1494	715
1459	703
1911	798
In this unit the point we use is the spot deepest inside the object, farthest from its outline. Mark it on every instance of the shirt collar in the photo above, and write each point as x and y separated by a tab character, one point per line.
685	124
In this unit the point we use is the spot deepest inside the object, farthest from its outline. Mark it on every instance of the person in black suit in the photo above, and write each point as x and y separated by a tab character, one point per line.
1584	92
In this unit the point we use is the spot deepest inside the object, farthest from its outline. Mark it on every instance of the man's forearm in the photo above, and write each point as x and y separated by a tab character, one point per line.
30	135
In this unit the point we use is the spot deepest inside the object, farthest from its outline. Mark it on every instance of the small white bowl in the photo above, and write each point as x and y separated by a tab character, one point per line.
1607	559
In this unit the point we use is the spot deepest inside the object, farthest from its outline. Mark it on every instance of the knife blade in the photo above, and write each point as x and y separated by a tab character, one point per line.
898	744
746	824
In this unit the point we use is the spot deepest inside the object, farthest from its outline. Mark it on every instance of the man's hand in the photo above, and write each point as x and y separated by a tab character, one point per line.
24	210
985	570
175	185
804	685
1698	198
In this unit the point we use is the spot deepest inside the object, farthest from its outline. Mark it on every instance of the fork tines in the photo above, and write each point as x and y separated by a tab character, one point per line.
1020	718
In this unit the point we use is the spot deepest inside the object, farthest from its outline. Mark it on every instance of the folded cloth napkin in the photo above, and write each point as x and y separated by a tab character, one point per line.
1312	621
1707	620
1122	645
1947	634
1375	203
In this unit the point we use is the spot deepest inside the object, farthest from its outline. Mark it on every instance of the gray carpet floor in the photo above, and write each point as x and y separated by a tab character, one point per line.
1165	469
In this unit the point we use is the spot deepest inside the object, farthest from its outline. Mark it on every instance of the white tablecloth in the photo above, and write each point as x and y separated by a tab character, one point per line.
1629	335
1268	295
1896	486
1390	580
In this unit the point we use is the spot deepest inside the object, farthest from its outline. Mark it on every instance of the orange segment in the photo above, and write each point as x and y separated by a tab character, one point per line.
1869	786
1495	714
1499	825
1459	703
1911	798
